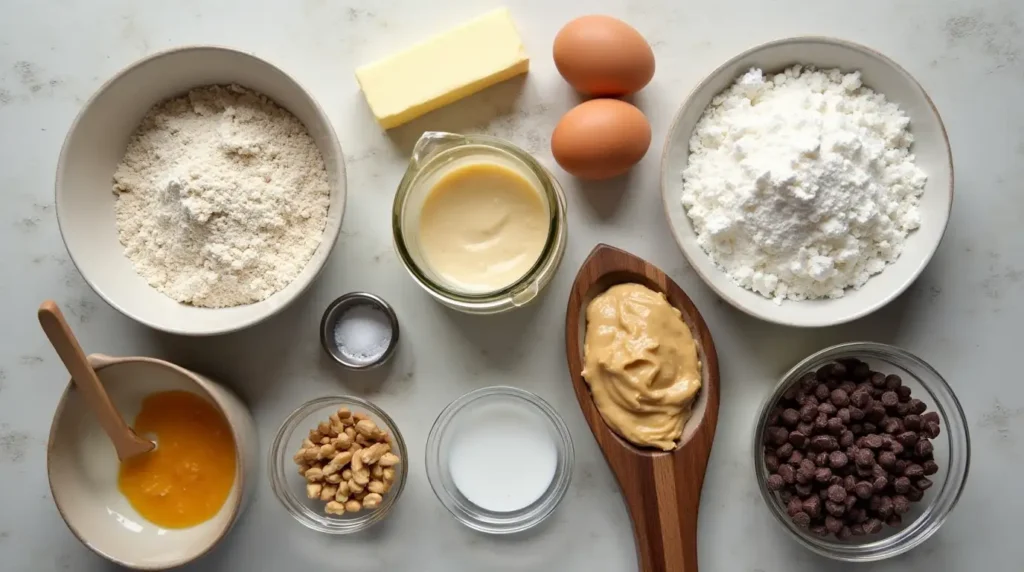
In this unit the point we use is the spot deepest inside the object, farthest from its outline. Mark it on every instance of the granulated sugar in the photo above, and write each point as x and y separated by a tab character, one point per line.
801	185
222	197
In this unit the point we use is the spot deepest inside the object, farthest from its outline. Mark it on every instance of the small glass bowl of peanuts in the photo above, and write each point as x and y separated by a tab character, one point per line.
338	464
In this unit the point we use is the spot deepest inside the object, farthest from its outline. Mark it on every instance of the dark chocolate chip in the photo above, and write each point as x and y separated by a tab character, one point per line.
790	417
878	379
775	483
798	439
901	485
885	507
788	474
930	467
839	398
864	458
930	417
907	438
819	530
821	392
802	519
837	459
784	451
857	529
894	520
846	438
863	490
914	471
808	382
860	372
912	422
844	534
924	483
833	524
890	399
836	509
880	483
794	506
812	506
917	407
900	504
923	449
836	494
873	441
823	474
915	494
873	526
771	462
892	382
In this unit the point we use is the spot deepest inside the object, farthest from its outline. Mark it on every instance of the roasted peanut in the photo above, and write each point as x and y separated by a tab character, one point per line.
388	460
346	474
376	487
314	474
326	451
314	437
377	472
307	443
360	416
362	477
388	476
313	490
354	486
342	441
372	500
328	492
344	413
353	506
334	507
343	492
333	479
367	429
329	469
351	432
341	459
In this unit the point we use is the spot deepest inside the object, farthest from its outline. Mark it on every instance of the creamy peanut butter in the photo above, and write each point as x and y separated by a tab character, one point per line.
483	226
641	364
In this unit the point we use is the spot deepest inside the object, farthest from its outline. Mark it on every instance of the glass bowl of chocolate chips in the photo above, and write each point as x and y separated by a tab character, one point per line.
861	451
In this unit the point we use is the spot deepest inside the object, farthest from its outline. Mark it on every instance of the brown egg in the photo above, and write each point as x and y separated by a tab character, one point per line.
600	139
602	56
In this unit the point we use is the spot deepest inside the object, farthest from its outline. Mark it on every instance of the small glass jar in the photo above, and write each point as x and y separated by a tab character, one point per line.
952	452
433	154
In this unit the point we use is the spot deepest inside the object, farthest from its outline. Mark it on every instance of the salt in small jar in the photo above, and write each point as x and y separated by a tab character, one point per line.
359	330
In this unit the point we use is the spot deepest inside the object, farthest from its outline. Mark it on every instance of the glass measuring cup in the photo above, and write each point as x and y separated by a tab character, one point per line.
433	155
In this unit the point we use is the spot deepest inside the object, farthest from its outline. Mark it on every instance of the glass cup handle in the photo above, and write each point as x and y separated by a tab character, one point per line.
431	143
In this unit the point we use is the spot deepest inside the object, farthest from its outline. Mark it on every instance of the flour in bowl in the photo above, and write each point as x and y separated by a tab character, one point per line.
222	197
801	184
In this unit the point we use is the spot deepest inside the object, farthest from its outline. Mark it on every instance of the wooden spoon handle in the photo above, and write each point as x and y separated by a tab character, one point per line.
663	501
125	441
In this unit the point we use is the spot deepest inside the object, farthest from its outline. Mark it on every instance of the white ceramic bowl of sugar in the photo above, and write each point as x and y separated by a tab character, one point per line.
96	143
931	148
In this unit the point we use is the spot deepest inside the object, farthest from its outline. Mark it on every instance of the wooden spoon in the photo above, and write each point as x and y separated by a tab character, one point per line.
126	442
661	489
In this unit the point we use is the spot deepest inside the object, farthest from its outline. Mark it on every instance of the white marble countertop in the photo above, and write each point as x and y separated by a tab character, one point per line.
963	314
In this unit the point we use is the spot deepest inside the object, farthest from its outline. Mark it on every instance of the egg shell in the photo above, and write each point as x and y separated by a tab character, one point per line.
602	56
600	139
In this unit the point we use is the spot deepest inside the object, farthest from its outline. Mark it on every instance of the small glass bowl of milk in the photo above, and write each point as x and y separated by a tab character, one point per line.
478	222
499	459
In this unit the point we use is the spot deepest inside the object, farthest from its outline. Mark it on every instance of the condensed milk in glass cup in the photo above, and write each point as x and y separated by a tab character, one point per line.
438	155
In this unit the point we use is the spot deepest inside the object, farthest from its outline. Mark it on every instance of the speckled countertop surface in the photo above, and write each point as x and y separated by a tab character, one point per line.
963	314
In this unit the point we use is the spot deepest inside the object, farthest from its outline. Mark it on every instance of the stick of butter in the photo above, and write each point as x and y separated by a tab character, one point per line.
444	69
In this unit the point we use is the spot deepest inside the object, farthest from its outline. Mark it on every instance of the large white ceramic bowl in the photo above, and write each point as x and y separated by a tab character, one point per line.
96	143
83	468
931	147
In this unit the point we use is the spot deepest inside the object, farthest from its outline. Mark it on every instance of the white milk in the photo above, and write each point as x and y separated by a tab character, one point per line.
502	456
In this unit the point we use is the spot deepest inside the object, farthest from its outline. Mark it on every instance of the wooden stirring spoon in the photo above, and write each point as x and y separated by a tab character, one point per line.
661	489
126	442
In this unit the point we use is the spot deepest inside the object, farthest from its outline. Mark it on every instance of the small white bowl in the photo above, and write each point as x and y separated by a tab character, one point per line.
97	142
931	148
83	468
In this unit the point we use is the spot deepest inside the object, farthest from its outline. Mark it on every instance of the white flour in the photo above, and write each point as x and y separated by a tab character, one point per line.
801	184
222	197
